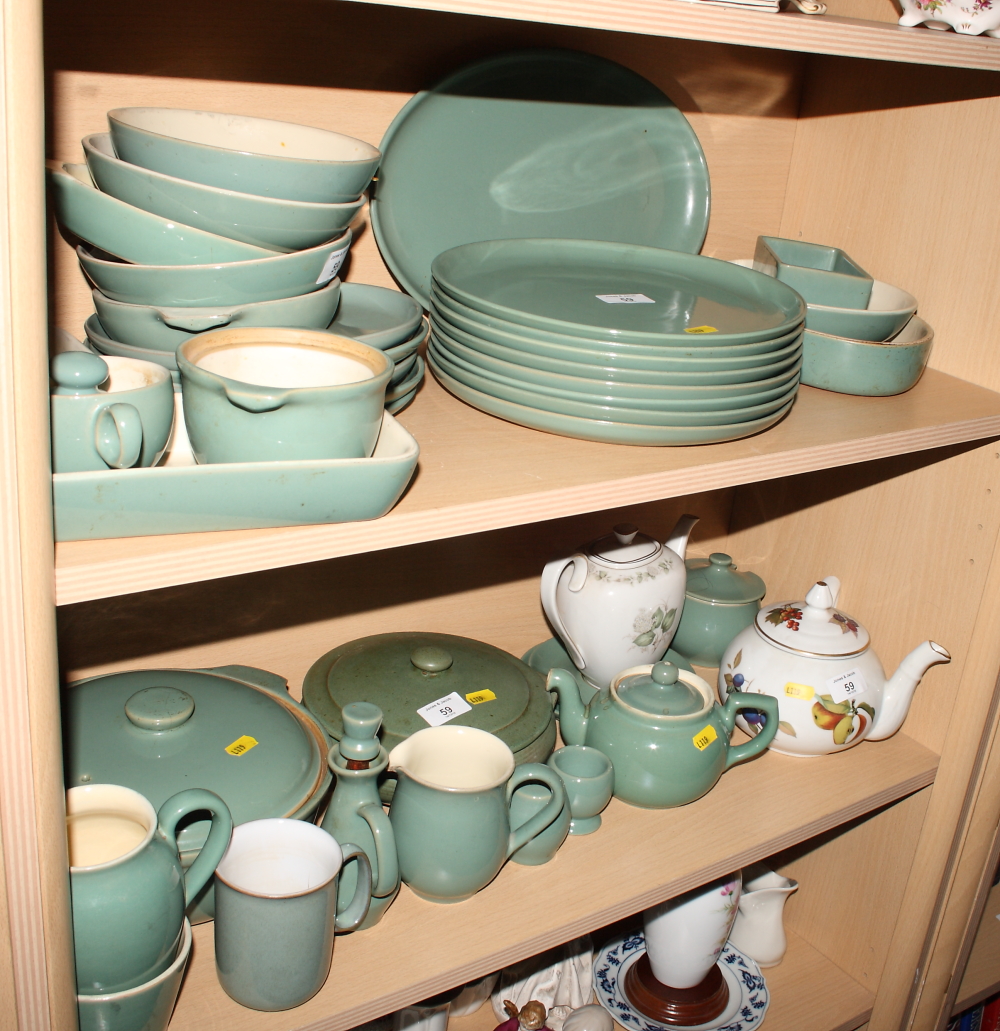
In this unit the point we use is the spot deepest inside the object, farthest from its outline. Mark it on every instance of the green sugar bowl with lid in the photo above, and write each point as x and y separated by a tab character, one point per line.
719	602
662	729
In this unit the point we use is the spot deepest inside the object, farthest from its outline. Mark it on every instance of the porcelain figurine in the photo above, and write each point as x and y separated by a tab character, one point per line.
970	17
617	601
759	930
662	729
816	661
530	1017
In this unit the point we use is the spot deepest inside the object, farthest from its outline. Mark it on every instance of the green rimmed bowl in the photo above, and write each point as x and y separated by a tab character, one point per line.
605	352
400	351
663	416
576	287
867	368
605	431
375	315
407	386
199	286
165	329
271	222
131	233
253	155
889	309
98	338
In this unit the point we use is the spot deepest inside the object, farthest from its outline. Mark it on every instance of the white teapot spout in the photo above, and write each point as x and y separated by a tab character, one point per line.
900	686
677	542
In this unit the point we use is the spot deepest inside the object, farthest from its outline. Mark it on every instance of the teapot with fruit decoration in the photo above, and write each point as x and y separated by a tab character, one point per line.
616	602
816	660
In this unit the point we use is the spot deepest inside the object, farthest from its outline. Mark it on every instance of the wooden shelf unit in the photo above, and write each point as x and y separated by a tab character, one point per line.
981	977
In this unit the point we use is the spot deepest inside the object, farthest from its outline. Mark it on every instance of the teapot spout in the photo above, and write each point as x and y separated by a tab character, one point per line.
900	687
677	542
572	713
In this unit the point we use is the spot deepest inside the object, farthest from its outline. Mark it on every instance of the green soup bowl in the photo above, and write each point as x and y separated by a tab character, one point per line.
889	309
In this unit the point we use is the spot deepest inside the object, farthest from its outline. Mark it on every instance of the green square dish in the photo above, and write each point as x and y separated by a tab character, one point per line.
822	275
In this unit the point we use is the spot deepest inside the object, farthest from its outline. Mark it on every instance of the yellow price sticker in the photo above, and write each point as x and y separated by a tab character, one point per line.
477	697
701	329
704	738
803	691
242	745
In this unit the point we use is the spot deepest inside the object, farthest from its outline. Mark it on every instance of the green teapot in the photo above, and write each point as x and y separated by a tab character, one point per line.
662	729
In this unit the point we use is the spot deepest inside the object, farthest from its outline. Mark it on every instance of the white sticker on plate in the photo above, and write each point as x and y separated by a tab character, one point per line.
332	265
444	709
625	299
847	685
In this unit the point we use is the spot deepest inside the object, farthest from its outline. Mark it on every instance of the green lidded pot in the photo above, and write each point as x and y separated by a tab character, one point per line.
233	730
719	602
402	672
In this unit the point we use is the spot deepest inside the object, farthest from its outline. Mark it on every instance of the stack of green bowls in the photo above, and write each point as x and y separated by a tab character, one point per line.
613	342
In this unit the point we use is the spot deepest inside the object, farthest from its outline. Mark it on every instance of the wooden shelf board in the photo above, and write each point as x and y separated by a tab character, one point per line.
479	473
982	972
638	858
822	34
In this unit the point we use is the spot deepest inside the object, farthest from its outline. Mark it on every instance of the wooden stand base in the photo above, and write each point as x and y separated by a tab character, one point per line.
682	1007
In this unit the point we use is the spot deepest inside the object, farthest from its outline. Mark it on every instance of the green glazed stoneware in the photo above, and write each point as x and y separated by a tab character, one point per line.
578	287
451	809
550	143
165	329
888	311
147	1007
127	885
527	800
108	413
408	384
376	315
131	233
862	367
589	779
392	407
200	286
665	734
355	812
822	275
254	155
270	222
719	602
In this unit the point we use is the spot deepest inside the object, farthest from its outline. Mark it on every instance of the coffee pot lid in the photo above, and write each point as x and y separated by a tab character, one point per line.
814	626
624	546
661	692
233	730
716	579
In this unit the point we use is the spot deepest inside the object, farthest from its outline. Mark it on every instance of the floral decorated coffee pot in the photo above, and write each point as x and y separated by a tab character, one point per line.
816	660
617	602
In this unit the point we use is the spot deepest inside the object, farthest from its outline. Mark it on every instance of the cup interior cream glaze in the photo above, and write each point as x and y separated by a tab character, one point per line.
107	825
271	365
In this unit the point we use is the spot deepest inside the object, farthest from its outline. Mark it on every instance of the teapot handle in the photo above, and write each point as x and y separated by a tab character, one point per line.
191	801
535	824
743	700
550	581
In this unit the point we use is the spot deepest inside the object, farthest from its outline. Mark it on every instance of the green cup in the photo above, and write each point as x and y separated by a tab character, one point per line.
590	781
527	800
276	911
127	885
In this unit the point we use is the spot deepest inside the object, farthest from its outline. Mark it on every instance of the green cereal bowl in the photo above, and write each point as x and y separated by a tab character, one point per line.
253	155
165	329
864	367
200	286
375	315
822	275
280	225
131	233
889	309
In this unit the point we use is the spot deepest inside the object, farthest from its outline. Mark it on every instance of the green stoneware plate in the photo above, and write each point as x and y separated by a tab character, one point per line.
863	367
605	351
235	282
401	370
281	225
550	143
399	351
485	357
131	233
576	287
408	385
603	432
247	495
889	309
394	407
375	315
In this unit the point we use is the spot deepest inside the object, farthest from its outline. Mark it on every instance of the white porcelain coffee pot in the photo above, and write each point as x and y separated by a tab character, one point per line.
616	602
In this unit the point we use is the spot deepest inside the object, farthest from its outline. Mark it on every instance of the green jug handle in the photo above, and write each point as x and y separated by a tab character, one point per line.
385	848
535	824
357	909
191	801
742	700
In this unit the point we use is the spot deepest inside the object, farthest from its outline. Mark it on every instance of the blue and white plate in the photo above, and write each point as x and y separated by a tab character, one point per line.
748	994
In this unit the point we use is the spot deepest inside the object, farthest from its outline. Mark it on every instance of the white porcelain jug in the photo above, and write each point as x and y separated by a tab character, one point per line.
616	603
759	930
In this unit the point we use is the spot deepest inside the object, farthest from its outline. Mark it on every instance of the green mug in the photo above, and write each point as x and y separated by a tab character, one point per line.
128	889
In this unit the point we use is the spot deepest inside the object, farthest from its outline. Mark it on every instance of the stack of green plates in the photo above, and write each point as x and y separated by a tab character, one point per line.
614	342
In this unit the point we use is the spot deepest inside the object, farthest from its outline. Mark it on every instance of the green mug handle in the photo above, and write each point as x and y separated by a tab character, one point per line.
191	801
535	824
357	909
743	700
385	848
